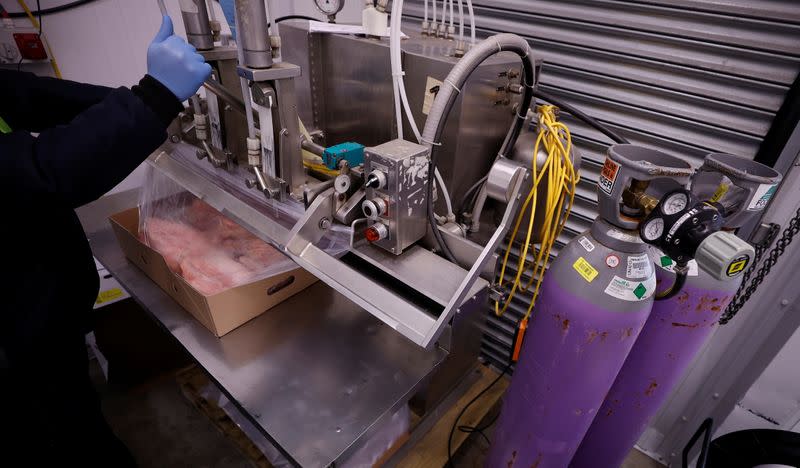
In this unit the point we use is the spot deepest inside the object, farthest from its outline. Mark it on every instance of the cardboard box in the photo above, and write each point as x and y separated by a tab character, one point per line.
221	312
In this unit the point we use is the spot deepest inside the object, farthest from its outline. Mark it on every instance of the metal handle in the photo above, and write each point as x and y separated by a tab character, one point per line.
705	429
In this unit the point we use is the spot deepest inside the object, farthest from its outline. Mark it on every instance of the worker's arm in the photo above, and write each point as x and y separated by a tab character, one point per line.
78	162
33	103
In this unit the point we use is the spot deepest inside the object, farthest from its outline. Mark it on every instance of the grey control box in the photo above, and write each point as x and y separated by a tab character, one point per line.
396	194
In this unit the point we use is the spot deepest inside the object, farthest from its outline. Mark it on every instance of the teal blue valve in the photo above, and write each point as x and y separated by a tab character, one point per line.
351	152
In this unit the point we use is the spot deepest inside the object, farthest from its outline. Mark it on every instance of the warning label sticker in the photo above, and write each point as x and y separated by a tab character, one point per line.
432	87
586	270
586	243
608	175
639	266
762	196
631	290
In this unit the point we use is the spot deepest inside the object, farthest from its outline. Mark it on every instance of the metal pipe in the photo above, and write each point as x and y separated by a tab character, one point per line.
312	147
221	92
195	19
251	26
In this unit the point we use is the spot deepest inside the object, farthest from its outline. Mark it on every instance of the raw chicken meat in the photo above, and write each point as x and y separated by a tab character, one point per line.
257	255
211	252
173	240
213	271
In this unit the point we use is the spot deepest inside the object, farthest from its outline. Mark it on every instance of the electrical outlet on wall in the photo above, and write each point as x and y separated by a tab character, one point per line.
21	42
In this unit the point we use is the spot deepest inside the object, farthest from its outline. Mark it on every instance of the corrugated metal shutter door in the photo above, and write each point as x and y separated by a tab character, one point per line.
688	77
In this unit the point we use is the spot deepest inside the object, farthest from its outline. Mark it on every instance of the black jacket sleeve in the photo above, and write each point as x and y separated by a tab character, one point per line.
33	103
76	163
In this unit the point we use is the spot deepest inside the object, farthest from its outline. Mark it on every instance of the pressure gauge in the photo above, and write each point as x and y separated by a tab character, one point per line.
675	203
330	7
653	229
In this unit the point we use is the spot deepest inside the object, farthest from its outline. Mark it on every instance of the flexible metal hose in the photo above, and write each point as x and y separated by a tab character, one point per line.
443	104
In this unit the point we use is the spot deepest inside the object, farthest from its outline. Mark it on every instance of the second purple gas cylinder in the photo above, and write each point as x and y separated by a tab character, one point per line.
678	327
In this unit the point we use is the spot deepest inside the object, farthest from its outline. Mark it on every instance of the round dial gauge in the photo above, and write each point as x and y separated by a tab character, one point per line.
675	203
330	7
653	229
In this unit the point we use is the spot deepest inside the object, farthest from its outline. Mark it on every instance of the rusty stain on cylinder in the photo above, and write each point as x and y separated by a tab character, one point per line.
537	461
513	459
627	333
651	388
685	325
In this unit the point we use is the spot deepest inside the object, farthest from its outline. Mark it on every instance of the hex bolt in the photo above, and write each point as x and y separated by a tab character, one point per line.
175	138
324	224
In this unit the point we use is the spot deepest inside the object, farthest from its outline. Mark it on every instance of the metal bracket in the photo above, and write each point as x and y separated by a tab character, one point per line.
278	71
764	235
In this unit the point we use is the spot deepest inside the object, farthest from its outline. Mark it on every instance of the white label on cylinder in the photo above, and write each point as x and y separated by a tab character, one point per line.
586	243
761	197
639	266
631	290
189	6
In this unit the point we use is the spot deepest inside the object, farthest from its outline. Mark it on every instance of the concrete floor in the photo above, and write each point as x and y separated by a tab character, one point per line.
162	429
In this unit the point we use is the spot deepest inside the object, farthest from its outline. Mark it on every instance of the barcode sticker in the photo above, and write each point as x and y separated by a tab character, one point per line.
584	269
639	266
586	243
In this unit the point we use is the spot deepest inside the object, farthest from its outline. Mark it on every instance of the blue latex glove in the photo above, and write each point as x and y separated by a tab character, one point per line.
175	63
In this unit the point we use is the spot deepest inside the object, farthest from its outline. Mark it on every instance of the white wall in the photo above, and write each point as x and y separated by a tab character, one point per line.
105	42
773	401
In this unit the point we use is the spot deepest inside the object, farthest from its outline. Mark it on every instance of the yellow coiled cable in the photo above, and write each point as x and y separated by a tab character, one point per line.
562	179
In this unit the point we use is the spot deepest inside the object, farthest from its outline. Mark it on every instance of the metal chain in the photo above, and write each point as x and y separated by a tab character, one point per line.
746	290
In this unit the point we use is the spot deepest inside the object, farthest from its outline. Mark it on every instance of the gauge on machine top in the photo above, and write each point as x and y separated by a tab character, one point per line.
653	229
330	7
675	203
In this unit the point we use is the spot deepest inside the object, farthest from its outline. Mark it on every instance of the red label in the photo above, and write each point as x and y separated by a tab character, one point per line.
608	175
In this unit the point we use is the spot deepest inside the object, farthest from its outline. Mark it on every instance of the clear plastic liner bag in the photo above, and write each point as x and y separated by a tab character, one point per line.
286	213
211	252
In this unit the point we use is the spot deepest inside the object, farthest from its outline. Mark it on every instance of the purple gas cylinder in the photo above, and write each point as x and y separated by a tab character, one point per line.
678	327
594	301
674	333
